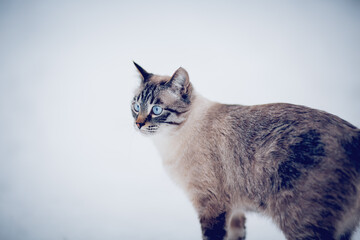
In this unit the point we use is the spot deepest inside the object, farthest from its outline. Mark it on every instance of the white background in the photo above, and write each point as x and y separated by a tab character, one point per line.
72	167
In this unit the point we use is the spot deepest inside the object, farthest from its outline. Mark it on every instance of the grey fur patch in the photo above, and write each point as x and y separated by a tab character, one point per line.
352	151
305	154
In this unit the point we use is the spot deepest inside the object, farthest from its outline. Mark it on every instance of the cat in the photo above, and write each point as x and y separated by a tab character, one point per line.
298	165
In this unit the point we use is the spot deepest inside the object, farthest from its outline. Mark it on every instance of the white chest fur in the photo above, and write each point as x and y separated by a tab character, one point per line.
178	146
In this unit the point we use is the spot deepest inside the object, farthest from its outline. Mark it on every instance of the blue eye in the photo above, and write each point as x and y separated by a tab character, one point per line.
157	110
136	107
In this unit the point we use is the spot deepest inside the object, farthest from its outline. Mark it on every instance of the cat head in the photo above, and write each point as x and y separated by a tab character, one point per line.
161	102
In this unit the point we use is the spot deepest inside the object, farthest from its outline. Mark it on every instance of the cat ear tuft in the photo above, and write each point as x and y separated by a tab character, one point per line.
145	75
180	80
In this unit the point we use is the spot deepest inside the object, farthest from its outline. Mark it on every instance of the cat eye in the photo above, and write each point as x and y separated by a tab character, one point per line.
157	110
136	107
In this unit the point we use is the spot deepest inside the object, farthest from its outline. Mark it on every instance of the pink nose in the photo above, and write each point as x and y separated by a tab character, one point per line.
140	124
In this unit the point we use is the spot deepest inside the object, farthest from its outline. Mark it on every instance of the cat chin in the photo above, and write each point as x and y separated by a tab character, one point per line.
156	131
148	133
161	132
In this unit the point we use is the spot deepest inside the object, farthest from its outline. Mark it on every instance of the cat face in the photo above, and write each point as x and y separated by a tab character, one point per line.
161	102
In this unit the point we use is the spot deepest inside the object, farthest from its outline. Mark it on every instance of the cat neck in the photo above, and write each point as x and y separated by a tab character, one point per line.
170	140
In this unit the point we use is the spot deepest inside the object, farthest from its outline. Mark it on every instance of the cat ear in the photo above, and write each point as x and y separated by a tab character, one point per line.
145	75
180	80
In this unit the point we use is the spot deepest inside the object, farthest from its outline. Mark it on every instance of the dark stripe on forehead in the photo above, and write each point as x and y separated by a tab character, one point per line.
151	100
148	93
143	93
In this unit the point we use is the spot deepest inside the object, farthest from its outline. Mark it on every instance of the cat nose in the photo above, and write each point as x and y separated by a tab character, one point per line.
140	121
140	124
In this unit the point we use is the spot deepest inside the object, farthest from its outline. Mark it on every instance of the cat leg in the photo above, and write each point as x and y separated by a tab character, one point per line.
213	228
236	229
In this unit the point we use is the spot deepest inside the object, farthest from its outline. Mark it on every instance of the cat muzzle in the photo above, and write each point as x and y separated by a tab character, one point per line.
140	121
140	124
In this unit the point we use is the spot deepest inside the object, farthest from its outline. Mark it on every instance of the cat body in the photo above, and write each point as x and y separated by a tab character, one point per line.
298	165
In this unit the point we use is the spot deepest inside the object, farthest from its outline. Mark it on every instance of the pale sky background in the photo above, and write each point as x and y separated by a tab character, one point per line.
72	167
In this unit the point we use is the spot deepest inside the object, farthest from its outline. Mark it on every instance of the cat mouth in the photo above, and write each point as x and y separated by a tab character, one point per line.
149	130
